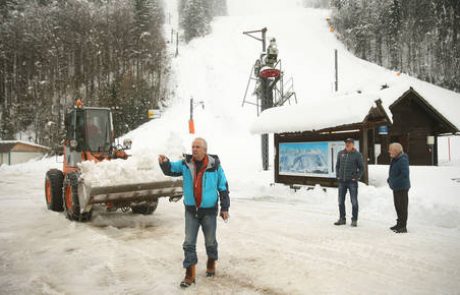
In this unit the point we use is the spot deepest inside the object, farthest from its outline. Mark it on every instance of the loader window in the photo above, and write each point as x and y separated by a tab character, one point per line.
68	126
80	129
98	130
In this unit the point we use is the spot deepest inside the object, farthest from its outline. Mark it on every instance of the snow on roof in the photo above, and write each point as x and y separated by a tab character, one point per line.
14	142
341	109
315	115
445	101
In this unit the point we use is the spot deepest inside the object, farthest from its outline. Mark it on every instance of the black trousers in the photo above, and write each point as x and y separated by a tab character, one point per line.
401	199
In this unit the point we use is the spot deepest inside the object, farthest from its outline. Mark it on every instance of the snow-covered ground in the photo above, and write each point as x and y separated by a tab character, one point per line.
277	241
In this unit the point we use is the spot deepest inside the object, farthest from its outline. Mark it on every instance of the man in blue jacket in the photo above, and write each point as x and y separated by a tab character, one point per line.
204	181
399	182
349	169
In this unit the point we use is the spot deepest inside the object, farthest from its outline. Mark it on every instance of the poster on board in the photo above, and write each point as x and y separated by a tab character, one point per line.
315	159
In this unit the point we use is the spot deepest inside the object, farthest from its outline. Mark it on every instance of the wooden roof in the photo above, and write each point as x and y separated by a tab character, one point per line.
7	146
433	112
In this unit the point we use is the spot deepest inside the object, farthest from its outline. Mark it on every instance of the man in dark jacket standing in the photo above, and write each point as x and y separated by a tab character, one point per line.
204	183
349	169
399	182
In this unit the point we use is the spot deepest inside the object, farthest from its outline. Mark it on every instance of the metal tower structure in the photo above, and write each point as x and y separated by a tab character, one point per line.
270	87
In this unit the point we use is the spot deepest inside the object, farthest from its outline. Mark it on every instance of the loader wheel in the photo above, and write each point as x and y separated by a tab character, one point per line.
53	190
146	209
71	201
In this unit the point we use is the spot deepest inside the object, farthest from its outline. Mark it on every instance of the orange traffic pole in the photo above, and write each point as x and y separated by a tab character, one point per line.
191	126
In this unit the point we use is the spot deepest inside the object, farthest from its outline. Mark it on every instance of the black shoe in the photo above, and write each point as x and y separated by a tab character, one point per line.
354	223
340	222
185	284
401	230
393	228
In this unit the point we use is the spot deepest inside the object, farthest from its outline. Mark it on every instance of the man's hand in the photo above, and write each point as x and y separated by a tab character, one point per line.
224	215
162	159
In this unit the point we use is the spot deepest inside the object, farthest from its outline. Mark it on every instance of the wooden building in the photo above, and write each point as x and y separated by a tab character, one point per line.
401	114
415	123
308	156
16	152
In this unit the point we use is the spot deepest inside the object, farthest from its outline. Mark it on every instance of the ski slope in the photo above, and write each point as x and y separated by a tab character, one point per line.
277	241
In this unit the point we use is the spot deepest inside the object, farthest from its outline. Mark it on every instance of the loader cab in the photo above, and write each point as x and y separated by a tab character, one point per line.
88	130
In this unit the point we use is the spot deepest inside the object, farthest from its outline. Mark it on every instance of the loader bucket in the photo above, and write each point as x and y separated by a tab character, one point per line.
127	193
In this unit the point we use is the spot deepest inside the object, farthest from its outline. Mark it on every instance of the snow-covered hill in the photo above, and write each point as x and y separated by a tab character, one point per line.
277	241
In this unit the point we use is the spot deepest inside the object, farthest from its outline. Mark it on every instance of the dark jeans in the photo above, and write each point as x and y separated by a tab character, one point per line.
352	187
401	199
208	223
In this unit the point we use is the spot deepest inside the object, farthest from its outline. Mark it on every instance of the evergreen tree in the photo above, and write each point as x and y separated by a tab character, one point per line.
196	16
195	20
419	37
54	51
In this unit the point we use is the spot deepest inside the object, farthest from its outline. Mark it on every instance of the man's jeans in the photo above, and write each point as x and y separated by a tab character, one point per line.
208	224
351	186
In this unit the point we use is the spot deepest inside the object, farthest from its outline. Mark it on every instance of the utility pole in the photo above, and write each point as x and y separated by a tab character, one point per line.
191	108
177	44
336	70
191	123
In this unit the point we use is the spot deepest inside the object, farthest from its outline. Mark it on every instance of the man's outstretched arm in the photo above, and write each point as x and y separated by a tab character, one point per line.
170	168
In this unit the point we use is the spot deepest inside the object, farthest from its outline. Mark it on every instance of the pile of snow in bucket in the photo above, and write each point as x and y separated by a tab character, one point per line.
141	167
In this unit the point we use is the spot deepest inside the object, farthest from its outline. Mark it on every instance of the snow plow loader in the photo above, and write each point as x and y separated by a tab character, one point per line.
89	136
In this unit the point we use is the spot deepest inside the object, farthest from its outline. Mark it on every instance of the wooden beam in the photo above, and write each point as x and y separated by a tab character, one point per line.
365	153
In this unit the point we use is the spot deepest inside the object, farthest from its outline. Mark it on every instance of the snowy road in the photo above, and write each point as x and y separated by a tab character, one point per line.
272	245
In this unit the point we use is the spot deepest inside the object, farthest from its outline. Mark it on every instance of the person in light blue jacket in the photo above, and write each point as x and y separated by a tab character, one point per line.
204	184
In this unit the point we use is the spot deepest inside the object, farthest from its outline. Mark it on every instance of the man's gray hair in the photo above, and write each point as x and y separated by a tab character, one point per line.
397	147
205	143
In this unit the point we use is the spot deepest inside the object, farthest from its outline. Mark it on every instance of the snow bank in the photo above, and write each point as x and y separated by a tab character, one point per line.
142	166
434	198
34	165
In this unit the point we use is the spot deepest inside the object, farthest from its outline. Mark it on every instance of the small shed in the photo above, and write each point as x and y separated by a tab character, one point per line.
308	137
420	115
16	152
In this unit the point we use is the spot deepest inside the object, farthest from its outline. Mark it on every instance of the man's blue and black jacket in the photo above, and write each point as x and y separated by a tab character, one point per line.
214	184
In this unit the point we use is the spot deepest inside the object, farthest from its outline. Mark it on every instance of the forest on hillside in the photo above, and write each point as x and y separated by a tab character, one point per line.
417	37
196	15
109	53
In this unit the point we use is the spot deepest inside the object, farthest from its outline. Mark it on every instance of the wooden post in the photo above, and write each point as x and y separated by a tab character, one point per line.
177	44
336	63
365	153
435	151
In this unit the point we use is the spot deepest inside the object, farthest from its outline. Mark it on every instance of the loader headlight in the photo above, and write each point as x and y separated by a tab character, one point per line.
73	143
127	143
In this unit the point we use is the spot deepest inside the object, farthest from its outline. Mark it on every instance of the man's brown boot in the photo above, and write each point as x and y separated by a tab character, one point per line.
189	277
211	267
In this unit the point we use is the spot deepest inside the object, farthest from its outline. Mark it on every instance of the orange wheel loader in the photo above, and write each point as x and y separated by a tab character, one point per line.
89	136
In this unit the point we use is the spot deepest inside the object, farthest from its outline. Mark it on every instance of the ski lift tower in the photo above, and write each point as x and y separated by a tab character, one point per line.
266	73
